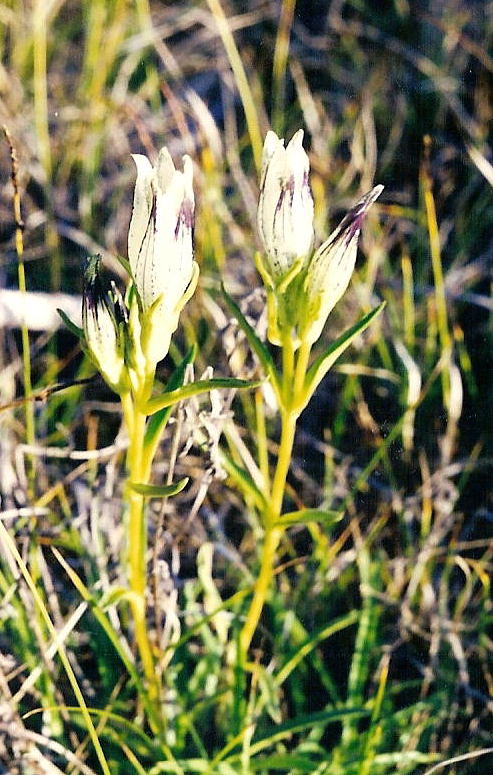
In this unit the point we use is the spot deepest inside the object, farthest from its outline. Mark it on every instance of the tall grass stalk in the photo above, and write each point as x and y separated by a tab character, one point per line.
246	96
21	278
445	337
42	15
279	64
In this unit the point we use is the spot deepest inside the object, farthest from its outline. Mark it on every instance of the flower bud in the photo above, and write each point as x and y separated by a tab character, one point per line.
330	269
285	210
103	318
160	248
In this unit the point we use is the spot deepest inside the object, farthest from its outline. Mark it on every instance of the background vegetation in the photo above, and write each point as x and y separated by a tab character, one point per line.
388	613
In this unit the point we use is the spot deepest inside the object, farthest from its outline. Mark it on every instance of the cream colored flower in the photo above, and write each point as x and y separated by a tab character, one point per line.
160	249
285	210
330	269
103	319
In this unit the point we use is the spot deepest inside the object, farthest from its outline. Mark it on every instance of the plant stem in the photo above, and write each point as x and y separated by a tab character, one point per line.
135	420
294	371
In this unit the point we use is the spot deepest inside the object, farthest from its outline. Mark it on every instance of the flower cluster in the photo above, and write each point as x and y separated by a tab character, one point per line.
125	339
303	286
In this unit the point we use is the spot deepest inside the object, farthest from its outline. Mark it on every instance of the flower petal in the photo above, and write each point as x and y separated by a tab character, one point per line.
285	211
331	267
160	246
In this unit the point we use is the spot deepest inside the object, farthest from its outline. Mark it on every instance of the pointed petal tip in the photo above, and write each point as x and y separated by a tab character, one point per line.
187	165
144	166
372	195
297	138
272	136
271	143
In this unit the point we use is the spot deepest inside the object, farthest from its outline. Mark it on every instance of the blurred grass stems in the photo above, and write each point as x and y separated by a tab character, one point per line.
21	275
444	334
241	79
279	65
41	607
42	16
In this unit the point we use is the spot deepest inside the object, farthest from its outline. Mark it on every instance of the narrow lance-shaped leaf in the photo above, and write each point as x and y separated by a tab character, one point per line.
157	422
255	343
305	516
126	265
194	389
72	327
299	723
245	482
159	490
326	360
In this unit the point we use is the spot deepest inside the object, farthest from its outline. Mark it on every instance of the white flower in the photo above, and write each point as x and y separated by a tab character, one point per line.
330	269
103	313
285	210
160	249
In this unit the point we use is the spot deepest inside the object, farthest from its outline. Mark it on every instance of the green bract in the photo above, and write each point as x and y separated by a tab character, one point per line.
302	287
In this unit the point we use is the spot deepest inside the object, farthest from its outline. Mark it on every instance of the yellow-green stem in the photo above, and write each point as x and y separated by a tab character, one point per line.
137	532
137	538
262	585
294	371
300	374
273	534
262	451
289	418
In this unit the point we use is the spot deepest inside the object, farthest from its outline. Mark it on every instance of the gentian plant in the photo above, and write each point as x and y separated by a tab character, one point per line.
126	336
303	285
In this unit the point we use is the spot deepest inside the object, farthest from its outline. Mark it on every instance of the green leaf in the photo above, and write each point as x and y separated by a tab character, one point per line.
113	596
286	761
303	649
269	692
304	516
323	363
75	330
126	265
195	388
255	343
157	422
159	490
298	724
245	482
